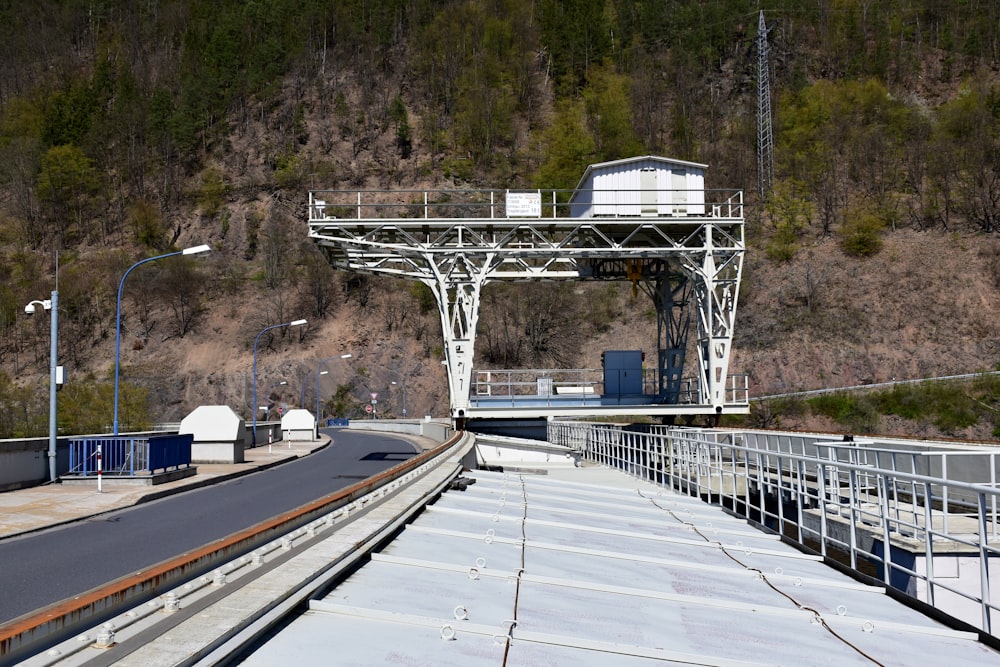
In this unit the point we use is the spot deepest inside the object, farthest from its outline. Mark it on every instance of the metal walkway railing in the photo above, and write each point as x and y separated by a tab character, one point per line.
128	455
894	513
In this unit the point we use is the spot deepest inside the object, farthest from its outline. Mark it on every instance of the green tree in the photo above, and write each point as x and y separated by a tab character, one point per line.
69	114
861	234
607	101
147	224
578	35
790	213
567	146
970	167
68	184
86	405
212	192
404	134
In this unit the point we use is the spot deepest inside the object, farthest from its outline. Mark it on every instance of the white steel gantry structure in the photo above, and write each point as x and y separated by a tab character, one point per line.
630	220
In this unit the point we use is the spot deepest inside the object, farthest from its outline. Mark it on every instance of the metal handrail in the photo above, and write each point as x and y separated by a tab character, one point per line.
509	204
879	509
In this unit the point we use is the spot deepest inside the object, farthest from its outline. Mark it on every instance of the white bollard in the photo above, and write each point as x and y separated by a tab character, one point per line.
98	468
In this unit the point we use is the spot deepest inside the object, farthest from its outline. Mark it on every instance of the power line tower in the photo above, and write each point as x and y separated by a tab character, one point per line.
765	138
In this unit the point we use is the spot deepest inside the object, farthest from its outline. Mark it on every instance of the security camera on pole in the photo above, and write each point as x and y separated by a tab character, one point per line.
55	372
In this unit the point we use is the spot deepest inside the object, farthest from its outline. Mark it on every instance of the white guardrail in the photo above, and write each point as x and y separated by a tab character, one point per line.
923	520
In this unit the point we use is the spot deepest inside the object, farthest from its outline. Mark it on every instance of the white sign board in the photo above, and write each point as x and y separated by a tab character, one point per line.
524	204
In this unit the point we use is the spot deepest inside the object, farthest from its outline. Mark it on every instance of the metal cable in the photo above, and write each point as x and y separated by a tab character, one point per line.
817	616
517	583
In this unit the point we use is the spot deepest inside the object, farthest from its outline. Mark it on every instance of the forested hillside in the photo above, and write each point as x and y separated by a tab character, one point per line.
128	129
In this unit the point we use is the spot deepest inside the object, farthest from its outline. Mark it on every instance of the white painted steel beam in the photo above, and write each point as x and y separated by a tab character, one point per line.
456	242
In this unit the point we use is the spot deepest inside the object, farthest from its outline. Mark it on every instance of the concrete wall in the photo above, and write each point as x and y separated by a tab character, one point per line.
438	431
26	462
264	429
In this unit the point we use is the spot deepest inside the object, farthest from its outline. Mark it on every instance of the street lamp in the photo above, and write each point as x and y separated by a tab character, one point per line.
302	391
196	250
267	396
402	383
257	340
318	373
52	305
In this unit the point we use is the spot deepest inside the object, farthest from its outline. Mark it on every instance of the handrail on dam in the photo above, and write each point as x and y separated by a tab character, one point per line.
934	538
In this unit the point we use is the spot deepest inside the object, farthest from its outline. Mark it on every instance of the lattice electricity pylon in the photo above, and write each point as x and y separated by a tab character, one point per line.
765	136
457	241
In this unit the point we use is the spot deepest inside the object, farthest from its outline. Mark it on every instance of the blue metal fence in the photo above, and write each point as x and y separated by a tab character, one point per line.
129	455
170	451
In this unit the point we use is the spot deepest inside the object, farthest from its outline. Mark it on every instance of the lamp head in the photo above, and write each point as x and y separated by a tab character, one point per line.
196	250
29	309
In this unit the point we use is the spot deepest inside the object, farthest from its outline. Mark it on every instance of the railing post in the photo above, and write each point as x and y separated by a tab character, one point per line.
853	518
800	495
984	566
928	541
993	500
99	488
781	503
944	493
821	495
886	537
761	462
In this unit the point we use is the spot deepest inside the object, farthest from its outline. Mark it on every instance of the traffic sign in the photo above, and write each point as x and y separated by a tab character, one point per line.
368	408
374	395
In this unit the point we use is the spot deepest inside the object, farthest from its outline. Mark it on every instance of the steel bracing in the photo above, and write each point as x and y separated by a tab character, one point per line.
455	242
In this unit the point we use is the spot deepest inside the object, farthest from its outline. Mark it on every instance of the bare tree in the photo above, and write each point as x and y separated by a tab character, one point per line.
320	281
180	287
277	251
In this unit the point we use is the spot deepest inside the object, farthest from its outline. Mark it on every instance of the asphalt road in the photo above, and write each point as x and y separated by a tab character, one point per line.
43	568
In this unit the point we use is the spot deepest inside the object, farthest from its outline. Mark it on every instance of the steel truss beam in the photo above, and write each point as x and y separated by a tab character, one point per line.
677	258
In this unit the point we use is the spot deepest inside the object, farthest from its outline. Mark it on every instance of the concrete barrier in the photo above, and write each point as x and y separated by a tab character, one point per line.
438	431
24	462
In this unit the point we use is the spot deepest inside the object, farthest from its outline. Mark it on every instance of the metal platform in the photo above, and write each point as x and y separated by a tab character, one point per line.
687	257
544	393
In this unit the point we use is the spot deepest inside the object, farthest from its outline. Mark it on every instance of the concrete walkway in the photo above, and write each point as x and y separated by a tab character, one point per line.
27	510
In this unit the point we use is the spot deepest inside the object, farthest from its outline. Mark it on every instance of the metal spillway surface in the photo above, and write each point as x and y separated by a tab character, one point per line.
529	569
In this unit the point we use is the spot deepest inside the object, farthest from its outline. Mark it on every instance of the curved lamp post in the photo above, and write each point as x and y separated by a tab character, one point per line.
318	373
196	250
294	323
52	305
